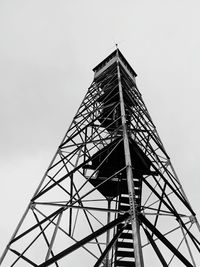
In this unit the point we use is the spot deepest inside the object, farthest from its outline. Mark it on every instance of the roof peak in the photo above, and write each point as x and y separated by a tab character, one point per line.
111	58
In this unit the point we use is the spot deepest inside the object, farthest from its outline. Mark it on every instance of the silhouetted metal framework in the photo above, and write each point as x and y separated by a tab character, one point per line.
110	196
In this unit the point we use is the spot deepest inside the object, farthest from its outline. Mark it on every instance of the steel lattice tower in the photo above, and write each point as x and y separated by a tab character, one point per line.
110	196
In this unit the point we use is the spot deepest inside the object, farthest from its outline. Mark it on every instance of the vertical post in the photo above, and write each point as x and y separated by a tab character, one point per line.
71	200
134	217
108	232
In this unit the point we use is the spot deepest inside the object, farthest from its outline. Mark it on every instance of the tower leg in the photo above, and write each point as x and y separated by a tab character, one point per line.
133	209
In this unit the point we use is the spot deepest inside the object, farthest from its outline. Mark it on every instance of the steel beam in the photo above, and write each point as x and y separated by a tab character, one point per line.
85	240
134	216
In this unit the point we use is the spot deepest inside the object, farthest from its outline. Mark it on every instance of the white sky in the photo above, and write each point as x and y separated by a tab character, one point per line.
47	51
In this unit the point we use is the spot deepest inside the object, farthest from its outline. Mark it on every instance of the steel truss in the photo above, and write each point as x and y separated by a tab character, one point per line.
110	196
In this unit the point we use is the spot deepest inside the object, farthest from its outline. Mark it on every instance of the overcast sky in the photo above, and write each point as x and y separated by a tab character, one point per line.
47	51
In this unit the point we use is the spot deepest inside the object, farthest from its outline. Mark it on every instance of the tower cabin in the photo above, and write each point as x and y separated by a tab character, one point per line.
112	59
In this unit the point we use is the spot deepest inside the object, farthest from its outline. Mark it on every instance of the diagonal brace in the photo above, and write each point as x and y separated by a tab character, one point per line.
84	240
165	241
97	264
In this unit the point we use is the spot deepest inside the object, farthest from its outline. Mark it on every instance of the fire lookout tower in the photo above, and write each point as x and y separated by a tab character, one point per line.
110	197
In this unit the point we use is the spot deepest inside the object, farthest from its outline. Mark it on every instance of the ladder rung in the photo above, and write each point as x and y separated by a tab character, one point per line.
138	201
124	244
124	200
128	226
125	263
127	254
137	183
124	208
126	236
